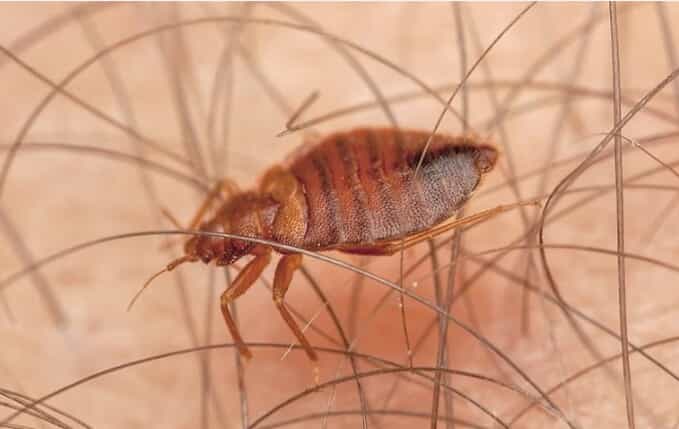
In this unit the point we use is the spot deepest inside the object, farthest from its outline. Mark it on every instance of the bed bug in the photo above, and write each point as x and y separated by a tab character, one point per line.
366	191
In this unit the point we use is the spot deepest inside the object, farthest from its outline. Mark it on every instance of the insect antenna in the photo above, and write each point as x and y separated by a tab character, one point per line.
171	266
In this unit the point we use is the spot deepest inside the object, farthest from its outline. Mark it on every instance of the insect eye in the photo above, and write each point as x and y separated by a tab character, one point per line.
205	254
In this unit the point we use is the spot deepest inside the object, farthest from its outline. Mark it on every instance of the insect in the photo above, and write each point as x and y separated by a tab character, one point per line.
367	191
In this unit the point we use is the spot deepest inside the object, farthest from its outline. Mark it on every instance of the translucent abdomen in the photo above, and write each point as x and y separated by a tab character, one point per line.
361	186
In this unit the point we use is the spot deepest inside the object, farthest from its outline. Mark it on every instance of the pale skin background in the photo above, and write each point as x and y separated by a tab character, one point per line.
164	89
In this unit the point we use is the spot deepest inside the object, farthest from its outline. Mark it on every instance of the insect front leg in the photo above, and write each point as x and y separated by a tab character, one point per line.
284	271
223	188
246	278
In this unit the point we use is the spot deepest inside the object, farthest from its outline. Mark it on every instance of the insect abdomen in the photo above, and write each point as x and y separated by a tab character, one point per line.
361	185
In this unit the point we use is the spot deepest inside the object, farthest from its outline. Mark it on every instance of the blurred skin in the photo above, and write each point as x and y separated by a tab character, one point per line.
56	199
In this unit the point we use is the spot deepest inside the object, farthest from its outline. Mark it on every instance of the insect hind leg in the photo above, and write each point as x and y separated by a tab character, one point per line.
466	221
389	247
284	271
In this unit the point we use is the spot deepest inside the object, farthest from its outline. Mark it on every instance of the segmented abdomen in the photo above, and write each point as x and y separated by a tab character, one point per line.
361	187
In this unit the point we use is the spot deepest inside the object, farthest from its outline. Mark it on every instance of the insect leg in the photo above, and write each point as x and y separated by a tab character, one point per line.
465	221
224	187
389	247
246	278
284	271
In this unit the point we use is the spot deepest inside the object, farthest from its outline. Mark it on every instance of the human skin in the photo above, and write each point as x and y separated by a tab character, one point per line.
55	199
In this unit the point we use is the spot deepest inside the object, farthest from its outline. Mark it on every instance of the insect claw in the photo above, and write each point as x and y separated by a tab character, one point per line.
284	133
246	354
316	371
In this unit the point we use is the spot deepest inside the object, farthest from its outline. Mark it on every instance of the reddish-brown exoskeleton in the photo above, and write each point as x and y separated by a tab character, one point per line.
356	192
